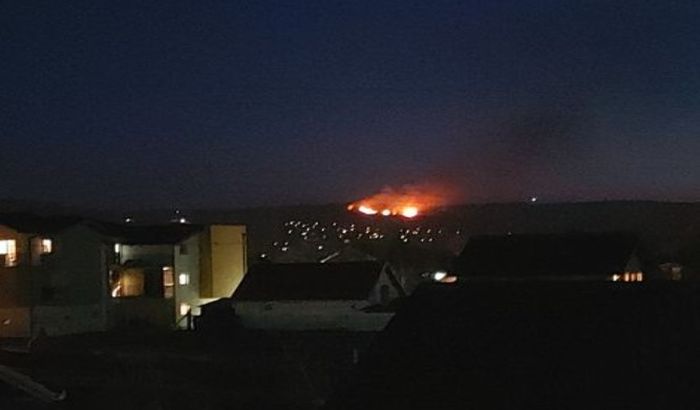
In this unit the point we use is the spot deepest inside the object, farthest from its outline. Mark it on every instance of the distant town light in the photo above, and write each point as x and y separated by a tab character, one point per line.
533	199
386	212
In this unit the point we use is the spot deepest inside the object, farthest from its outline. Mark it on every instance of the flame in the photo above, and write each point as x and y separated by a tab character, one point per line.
408	201
367	210
409	211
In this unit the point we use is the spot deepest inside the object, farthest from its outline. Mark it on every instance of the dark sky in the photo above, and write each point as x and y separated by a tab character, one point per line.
233	103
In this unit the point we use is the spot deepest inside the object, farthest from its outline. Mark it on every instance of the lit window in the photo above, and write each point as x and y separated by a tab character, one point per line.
168	282
8	248
631	277
46	245
127	283
117	247
183	279
184	309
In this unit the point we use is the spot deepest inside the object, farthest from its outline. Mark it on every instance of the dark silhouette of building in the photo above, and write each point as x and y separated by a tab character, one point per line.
535	345
600	256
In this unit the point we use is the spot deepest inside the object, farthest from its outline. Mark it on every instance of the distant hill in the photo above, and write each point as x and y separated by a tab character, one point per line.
667	227
44	208
670	227
656	219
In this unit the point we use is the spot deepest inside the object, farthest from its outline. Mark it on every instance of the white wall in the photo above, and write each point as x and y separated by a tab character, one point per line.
310	315
375	295
187	263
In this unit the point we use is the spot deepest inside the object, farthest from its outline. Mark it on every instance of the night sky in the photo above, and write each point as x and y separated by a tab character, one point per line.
230	103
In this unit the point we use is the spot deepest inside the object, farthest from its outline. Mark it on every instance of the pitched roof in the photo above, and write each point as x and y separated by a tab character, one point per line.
534	255
309	281
34	224
535	345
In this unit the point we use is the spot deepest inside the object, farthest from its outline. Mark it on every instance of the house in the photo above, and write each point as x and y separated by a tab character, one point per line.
162	274
534	345
63	275
305	296
53	276
579	256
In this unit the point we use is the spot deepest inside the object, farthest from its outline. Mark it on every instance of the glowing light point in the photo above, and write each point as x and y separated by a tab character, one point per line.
409	212
367	210
439	276
386	212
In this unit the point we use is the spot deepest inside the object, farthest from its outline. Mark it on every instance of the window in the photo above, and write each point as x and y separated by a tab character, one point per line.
629	277
128	282
40	249
8	249
46	246
184	309
183	279
168	282
117	253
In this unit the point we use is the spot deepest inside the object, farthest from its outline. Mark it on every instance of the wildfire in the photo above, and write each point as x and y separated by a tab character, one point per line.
407	202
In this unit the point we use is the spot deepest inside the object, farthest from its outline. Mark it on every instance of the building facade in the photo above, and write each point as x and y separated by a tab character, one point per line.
52	278
162	275
69	275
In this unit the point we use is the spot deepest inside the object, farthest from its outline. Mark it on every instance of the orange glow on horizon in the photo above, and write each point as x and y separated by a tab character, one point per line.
407	202
367	210
409	211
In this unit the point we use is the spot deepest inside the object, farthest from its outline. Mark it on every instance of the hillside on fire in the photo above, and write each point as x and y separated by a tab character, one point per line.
308	233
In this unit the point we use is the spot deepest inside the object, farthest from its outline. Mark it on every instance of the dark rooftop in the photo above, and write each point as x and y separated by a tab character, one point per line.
33	224
543	345
551	255
309	281
149	235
